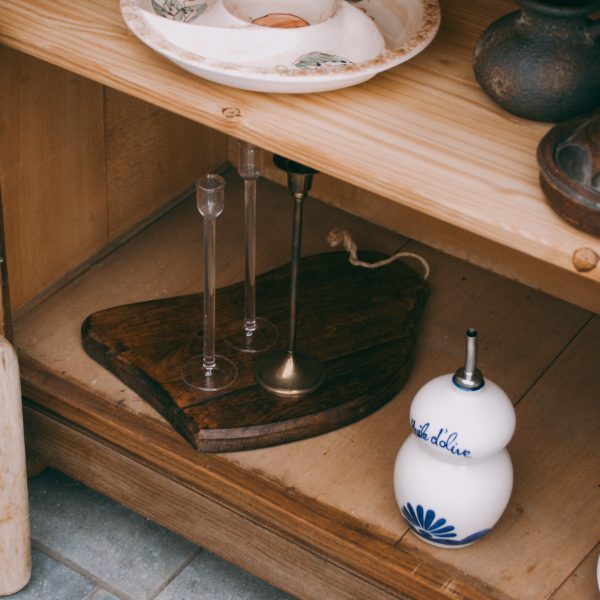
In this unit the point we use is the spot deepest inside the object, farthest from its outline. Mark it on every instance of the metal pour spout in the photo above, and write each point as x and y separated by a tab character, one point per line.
469	377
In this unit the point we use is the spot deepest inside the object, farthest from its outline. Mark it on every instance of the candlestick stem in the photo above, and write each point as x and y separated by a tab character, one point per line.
289	373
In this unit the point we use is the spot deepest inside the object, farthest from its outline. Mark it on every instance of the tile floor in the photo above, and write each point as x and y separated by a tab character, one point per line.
88	547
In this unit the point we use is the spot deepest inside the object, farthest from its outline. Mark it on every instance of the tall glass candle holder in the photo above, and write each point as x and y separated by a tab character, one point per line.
208	371
252	333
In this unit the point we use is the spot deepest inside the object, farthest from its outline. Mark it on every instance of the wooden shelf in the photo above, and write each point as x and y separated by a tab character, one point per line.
419	149
318	517
422	136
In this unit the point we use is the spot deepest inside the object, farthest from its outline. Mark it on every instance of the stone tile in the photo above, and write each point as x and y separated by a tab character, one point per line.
209	577
118	547
101	595
51	580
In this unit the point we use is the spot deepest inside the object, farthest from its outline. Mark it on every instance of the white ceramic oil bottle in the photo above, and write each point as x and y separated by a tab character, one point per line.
453	475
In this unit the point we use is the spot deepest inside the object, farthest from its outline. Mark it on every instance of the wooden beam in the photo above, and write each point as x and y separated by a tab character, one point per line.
284	539
6	326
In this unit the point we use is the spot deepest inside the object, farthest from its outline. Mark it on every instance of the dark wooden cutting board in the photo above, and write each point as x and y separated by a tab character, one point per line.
362	323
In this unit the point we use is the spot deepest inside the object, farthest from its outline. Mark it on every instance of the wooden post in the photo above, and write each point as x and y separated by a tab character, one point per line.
15	546
15	551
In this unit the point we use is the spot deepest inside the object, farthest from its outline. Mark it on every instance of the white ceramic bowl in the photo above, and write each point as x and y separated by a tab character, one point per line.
306	12
343	44
340	32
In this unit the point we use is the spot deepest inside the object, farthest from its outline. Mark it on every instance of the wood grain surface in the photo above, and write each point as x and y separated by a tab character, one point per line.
279	535
449	238
430	149
530	343
421	135
151	156
6	327
360	323
52	171
583	582
81	166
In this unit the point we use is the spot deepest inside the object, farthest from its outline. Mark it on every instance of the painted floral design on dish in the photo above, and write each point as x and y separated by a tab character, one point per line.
318	60
425	524
184	11
281	21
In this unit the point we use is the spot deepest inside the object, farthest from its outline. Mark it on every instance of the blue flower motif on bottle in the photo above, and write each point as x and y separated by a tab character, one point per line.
437	530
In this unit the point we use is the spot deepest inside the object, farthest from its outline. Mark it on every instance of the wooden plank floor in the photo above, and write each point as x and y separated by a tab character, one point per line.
541	350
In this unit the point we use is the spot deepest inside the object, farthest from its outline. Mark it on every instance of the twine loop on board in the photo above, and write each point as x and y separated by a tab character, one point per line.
340	237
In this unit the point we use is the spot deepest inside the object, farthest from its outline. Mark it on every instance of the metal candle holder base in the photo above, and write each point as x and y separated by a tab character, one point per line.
289	373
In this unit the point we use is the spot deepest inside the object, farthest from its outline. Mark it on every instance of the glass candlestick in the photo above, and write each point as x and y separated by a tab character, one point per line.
208	371
290	373
252	334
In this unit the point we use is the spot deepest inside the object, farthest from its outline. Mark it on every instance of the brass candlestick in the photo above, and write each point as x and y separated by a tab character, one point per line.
290	373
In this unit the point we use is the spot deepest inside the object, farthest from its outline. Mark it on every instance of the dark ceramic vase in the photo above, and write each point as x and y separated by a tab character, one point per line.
542	62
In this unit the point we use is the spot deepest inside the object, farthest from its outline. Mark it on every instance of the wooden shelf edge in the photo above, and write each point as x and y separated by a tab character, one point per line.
291	541
127	65
465	245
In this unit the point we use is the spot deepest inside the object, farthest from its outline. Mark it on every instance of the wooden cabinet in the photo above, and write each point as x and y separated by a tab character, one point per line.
440	161
100	138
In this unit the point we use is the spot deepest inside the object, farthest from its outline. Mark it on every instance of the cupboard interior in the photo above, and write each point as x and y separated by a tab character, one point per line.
430	155
93	187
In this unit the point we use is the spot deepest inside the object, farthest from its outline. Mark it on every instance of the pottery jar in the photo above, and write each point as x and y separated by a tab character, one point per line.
542	62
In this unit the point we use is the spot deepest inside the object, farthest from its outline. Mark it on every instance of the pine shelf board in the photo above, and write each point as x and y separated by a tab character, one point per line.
422	135
331	494
583	583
